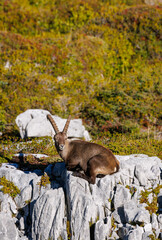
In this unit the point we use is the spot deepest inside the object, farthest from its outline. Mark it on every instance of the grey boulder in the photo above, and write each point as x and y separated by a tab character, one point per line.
34	123
8	228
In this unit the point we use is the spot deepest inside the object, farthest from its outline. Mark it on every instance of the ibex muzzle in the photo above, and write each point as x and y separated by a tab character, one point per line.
94	160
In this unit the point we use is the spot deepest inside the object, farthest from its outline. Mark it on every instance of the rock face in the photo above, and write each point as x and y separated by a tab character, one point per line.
34	123
153	2
71	208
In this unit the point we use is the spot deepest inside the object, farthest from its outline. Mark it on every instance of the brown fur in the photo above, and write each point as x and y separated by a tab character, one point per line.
91	158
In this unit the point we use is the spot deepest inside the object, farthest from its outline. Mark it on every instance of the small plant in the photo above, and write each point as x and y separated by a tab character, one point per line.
152	237
113	225
153	206
44	180
8	187
97	218
28	202
60	238
132	189
91	223
68	229
144	196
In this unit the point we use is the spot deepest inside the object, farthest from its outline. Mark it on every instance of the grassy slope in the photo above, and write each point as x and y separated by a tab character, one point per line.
97	60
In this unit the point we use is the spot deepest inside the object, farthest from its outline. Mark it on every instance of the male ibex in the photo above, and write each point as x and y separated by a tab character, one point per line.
91	158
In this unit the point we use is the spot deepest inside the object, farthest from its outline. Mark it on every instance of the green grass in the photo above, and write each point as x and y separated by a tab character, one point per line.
96	60
8	187
153	206
120	144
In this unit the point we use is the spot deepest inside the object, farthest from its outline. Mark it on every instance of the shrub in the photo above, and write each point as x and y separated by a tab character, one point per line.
92	59
9	187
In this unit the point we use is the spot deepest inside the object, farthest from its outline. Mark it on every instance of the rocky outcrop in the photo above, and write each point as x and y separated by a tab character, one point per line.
119	206
153	2
34	123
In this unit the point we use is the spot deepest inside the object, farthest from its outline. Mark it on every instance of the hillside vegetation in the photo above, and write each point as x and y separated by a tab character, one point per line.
97	60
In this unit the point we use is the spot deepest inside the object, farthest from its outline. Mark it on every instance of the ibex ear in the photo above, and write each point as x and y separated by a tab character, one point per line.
67	125
49	117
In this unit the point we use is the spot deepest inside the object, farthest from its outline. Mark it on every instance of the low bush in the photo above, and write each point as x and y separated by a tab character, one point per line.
98	60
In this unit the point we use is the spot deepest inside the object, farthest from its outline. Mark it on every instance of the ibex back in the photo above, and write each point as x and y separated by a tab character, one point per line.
90	158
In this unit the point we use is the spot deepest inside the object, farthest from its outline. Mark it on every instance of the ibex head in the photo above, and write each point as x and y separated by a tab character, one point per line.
60	137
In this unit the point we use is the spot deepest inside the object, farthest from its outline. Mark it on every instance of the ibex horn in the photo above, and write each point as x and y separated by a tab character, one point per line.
67	124
49	117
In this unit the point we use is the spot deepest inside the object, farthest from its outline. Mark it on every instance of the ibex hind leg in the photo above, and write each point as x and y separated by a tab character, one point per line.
97	167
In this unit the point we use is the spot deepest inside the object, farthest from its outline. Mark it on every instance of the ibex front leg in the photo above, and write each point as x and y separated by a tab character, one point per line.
73	167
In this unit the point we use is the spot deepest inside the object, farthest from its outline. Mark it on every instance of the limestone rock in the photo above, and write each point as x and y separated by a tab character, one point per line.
34	123
141	176
69	205
7	228
48	219
136	234
130	211
153	2
154	221
18	177
24	197
160	221
7	205
134	213
142	216
146	235
102	229
122	196
123	231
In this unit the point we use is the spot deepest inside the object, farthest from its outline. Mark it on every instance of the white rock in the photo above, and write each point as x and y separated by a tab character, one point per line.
119	215
140	174
154	221
18	177
34	123
146	235
83	210
130	211
7	65
7	205
134	213
102	229
148	227
122	196
24	197
135	234
22	224
142	216
158	233
48	219
123	231
150	198
85	203
7	228
153	2
160	220
23	155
